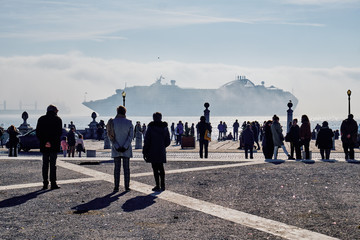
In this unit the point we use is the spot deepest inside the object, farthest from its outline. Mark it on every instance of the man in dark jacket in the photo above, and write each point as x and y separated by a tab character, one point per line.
248	136
48	131
157	138
294	137
349	130
324	140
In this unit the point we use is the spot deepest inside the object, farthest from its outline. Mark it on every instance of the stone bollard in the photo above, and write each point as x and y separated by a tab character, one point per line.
90	153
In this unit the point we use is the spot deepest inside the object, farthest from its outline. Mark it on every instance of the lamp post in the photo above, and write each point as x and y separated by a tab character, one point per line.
289	116
349	94
123	95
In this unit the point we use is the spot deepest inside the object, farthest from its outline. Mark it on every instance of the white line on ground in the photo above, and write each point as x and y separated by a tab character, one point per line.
245	219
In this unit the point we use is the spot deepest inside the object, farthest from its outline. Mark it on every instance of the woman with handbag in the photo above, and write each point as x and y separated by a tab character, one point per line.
205	136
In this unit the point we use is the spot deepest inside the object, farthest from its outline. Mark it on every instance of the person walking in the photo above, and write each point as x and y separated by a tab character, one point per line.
249	139
294	135
172	128
49	131
71	142
121	132
203	143
349	131
278	137
324	140
157	139
13	140
305	135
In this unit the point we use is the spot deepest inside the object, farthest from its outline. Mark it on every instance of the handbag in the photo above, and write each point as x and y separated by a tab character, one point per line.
207	135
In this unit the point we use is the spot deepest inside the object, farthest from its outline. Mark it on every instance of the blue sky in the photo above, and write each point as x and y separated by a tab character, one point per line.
308	47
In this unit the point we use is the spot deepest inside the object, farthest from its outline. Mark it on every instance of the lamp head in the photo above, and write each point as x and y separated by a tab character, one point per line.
349	92
123	94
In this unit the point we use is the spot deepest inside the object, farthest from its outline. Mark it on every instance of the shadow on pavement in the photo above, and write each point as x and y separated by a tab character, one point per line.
139	202
97	203
18	200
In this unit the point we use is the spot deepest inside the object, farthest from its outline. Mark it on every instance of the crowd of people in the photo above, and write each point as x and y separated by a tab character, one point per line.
157	138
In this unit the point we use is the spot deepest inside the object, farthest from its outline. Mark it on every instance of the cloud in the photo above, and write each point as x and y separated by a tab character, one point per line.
55	21
71	77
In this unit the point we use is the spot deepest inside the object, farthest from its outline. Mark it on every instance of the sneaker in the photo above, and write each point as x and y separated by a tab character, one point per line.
156	189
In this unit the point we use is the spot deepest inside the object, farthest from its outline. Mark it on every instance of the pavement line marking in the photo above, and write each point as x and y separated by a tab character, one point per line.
266	225
40	184
183	170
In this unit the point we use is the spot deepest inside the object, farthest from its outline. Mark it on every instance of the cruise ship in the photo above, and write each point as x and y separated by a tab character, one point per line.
240	97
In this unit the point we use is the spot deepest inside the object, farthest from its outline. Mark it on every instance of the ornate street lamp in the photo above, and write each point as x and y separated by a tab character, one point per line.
123	95
349	94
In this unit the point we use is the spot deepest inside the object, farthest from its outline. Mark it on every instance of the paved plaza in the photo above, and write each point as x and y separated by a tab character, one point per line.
223	197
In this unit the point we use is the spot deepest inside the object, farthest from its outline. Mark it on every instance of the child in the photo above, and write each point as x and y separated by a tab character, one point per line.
64	145
80	145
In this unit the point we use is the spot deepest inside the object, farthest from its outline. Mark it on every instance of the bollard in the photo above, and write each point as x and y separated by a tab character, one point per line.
90	153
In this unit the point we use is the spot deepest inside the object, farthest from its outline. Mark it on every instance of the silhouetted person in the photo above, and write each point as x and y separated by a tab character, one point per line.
203	143
305	135
236	126
71	142
324	140
121	132
157	139
13	140
49	131
349	131
294	135
249	139
268	143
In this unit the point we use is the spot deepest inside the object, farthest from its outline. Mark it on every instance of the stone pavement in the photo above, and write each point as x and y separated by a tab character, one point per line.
223	197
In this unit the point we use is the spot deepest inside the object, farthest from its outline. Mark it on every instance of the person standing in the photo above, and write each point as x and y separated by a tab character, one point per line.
64	145
13	140
49	131
236	126
305	135
121	133
172	128
268	143
294	134
349	131
80	147
138	136
71	142
278	137
249	139
203	143
221	130
324	140
157	139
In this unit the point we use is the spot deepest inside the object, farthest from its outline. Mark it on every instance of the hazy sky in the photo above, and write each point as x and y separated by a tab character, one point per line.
65	51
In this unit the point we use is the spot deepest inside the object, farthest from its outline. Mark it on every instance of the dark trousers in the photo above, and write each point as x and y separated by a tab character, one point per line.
13	150
295	147
236	135
327	153
71	151
348	150
159	174
203	145
247	148
306	143
49	159
117	168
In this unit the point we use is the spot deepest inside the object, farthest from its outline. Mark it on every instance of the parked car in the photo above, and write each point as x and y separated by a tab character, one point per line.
30	141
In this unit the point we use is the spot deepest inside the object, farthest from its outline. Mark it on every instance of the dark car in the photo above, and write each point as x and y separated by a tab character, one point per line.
30	141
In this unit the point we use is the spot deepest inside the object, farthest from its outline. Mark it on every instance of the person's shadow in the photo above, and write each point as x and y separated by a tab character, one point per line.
18	200
97	203
139	202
